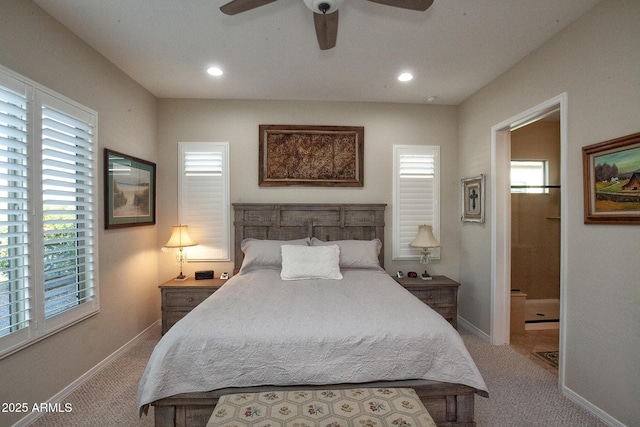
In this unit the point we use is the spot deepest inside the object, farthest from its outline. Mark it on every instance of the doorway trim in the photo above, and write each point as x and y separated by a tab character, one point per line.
501	218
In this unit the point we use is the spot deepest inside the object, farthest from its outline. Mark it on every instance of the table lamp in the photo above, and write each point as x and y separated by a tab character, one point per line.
180	239
425	240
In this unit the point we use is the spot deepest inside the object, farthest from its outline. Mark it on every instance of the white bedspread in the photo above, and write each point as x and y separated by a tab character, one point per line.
260	330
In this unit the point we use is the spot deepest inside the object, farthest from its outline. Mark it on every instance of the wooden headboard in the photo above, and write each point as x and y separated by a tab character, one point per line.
289	221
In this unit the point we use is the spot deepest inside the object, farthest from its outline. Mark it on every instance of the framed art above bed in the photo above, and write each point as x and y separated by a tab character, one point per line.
327	156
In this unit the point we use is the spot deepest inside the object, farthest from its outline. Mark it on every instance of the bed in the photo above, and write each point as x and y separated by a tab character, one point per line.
267	319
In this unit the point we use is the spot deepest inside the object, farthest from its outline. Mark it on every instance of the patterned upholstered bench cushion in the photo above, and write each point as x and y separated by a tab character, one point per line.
361	407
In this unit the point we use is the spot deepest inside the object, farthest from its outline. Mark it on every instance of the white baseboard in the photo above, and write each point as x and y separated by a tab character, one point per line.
472	329
62	394
590	407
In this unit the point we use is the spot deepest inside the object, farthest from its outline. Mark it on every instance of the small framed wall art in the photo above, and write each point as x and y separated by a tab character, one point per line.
129	191
611	172
473	199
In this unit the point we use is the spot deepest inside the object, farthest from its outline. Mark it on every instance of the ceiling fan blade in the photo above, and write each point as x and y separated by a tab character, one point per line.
326	29
420	5
238	6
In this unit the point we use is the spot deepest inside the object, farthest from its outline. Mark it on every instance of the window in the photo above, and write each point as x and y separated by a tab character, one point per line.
204	198
529	176
48	277
416	175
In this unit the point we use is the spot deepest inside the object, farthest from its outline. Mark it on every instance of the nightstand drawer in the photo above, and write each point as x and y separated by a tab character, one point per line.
436	297
186	299
448	313
170	318
440	293
179	298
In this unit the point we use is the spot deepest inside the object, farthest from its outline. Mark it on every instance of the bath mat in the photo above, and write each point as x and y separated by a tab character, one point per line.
551	357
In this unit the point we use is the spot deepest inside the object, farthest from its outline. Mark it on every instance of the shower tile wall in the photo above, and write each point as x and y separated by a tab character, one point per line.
535	218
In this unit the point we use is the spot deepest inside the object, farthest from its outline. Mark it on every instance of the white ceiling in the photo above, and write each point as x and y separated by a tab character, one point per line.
453	49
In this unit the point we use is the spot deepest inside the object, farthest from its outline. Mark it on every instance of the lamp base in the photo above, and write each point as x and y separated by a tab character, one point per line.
181	278
425	276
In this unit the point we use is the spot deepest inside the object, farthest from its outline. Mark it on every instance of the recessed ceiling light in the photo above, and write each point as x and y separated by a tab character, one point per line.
405	77
214	71
431	99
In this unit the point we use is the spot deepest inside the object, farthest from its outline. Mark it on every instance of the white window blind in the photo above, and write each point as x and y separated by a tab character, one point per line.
48	246
67	201
15	314
204	198
416	196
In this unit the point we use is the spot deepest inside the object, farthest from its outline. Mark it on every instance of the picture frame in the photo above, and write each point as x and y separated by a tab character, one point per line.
473	195
611	172
129	191
299	155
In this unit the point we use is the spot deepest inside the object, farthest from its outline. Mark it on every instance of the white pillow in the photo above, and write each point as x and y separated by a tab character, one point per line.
265	254
307	262
361	254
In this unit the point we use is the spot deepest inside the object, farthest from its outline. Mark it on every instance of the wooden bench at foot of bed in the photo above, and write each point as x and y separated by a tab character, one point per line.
450	405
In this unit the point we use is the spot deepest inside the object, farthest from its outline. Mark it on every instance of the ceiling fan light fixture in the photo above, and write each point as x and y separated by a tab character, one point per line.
323	7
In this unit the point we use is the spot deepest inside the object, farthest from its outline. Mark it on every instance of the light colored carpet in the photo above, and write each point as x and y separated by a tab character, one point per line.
109	398
522	394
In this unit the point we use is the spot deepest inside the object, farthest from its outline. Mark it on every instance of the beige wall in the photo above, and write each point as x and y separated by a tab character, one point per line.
237	122
36	46
596	61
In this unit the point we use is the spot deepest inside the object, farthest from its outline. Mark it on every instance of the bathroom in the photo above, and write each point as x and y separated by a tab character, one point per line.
535	223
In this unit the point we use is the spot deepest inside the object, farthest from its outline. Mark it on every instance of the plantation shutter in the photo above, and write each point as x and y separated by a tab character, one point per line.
15	296
416	188
48	216
204	198
68	216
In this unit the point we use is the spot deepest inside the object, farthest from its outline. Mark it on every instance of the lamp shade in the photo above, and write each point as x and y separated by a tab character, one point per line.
425	238
180	238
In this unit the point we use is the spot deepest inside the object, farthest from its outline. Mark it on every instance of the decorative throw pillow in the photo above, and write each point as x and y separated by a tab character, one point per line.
362	254
307	262
265	254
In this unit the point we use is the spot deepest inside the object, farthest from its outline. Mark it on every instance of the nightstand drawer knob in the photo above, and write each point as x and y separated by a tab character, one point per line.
190	299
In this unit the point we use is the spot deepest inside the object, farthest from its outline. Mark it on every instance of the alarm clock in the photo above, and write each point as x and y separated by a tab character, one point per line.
412	274
204	275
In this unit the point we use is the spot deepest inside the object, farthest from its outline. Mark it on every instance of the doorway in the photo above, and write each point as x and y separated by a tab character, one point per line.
535	240
501	218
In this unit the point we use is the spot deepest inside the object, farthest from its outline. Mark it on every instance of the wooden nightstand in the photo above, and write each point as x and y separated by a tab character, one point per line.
179	298
440	293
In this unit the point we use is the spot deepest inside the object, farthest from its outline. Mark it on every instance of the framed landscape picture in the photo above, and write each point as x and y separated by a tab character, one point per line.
473	199
611	172
130	191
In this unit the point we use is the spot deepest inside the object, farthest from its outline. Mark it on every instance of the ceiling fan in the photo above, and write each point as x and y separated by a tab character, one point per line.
325	14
